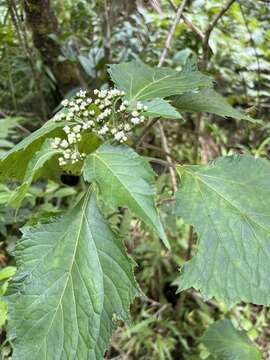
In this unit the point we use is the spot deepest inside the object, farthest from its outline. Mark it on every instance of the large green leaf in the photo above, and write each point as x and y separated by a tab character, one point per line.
207	100
141	82
125	179
74	278
227	343
36	163
228	202
15	161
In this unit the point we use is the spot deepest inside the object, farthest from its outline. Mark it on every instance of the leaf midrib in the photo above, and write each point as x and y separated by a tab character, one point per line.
121	183
71	265
149	85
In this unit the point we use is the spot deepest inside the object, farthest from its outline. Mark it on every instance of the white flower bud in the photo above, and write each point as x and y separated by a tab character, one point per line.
139	106
66	129
77	128
135	120
64	144
65	102
119	135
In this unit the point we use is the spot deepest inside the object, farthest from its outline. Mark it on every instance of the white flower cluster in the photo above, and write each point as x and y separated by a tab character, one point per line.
108	115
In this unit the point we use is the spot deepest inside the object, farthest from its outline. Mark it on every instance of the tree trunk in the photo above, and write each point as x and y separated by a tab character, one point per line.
43	24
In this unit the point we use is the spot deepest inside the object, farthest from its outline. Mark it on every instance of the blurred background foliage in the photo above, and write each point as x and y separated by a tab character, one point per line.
81	38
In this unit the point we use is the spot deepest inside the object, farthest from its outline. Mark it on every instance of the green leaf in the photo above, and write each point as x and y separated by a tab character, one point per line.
228	203
141	82
74	278
5	194
207	100
227	343
161	108
35	165
125	179
14	162
3	313
7	272
8	123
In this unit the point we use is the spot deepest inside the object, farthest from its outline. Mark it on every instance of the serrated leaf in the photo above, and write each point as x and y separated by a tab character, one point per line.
227	343
161	108
74	278
141	82
35	165
208	100
228	203
125	179
13	163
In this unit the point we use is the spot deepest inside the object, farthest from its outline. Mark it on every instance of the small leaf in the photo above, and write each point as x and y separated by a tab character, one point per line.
141	82
125	179
227	343
74	277
3	313
13	163
161	108
7	272
228	203
8	123
40	158
207	100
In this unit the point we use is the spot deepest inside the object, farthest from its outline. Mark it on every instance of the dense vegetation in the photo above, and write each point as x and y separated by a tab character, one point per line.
134	130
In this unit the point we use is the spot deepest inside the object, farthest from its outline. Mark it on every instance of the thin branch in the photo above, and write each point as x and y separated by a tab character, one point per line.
192	27
209	30
161	162
145	130
166	200
188	22
219	15
165	146
164	140
153	147
156	6
107	30
253	44
171	32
